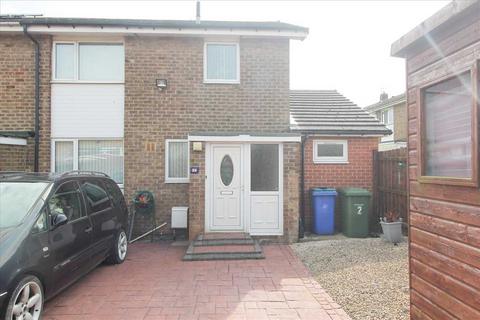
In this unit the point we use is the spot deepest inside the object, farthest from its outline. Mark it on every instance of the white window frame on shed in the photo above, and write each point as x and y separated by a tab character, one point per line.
205	66
167	148
76	57
320	159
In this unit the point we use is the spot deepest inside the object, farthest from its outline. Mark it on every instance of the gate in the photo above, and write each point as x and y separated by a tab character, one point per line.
389	184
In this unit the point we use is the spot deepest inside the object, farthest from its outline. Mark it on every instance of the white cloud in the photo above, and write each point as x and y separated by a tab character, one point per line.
348	48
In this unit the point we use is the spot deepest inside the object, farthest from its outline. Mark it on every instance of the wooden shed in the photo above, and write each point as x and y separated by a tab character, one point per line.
442	65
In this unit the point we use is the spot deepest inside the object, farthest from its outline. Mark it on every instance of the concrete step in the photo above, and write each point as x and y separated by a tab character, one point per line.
230	251
223	239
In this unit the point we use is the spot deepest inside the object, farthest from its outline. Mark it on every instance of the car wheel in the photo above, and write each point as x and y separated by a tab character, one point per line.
26	302
119	250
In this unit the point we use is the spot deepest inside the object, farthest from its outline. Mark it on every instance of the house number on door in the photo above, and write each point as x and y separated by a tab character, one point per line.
359	209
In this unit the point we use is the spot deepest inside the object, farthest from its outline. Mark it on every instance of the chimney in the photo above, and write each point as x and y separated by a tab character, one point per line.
383	96
197	21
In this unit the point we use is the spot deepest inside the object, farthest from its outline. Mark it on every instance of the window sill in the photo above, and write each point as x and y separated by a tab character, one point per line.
205	81
86	82
169	180
330	162
465	182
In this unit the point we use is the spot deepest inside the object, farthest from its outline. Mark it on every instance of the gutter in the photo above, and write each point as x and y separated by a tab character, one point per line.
37	98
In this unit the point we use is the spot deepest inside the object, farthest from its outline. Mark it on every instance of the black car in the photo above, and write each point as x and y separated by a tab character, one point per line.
55	228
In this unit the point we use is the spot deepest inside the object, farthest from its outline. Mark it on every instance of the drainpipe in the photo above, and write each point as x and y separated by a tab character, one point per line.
37	98
301	229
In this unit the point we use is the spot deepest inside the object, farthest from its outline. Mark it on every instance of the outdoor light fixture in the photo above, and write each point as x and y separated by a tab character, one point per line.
161	84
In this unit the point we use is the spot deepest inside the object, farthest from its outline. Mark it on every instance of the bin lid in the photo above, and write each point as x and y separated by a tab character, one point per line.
354	192
324	192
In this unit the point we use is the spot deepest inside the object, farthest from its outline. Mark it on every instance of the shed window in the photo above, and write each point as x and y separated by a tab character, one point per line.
221	63
330	151
449	130
177	161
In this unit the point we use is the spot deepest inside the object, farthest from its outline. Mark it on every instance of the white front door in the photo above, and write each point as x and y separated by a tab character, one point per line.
227	188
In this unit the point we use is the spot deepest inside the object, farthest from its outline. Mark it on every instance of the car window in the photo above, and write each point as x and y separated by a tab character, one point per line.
41	223
97	197
67	201
117	195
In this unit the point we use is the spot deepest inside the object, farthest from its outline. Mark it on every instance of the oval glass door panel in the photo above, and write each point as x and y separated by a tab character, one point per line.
226	170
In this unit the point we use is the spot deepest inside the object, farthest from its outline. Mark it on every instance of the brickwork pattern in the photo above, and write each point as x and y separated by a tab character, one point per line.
357	173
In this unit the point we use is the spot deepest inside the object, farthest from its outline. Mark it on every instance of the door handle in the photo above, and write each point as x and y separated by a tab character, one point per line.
88	230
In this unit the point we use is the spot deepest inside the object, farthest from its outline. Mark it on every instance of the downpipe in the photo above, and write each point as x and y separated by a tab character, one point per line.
37	99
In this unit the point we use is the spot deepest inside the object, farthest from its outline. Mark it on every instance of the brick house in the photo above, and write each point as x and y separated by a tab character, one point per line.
392	112
339	138
197	113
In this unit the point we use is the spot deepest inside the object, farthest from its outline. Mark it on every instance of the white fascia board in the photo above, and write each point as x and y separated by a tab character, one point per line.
57	30
246	138
13	141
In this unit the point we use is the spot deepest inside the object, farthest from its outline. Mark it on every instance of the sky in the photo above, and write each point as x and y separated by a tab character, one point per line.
347	49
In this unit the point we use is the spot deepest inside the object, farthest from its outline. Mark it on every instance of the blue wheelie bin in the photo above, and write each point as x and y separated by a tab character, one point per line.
323	210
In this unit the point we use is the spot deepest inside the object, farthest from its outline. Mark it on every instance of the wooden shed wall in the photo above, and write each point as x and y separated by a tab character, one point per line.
444	219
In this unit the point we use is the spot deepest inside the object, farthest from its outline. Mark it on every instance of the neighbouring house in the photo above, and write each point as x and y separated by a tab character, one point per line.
339	138
392	112
443	88
196	112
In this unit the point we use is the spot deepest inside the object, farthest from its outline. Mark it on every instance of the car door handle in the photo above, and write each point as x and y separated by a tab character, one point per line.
88	230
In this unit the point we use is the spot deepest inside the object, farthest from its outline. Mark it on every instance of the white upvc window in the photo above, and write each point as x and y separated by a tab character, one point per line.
98	62
105	155
386	117
221	62
330	151
177	161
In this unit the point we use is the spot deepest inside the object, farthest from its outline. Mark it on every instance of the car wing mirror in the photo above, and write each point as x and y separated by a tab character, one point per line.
58	220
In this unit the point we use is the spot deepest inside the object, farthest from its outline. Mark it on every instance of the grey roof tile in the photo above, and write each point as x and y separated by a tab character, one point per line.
329	112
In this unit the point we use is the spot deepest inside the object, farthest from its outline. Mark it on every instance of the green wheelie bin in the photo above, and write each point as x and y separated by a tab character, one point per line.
355	211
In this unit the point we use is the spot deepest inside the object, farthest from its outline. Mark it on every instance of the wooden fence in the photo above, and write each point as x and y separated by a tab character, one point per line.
389	184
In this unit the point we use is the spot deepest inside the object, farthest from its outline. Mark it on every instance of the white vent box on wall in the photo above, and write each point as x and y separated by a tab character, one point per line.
179	217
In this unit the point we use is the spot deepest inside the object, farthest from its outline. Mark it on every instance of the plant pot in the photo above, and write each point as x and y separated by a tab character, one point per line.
392	231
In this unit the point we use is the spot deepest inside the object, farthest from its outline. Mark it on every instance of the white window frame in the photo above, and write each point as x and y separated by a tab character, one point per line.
390	124
220	81
75	62
176	180
75	153
317	159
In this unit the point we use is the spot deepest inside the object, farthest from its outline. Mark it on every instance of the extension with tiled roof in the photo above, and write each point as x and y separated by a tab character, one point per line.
328	112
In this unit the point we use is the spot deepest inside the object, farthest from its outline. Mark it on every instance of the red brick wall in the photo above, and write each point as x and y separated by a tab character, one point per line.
260	103
357	173
17	104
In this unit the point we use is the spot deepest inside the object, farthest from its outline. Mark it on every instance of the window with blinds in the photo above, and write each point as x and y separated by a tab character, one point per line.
177	161
221	63
448	134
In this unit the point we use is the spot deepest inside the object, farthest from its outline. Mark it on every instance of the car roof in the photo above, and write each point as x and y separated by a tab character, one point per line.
48	176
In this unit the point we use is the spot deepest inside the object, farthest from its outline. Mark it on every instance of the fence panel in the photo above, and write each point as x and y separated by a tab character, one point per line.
389	184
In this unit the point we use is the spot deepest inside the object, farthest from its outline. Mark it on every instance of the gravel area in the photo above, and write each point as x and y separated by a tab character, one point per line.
367	277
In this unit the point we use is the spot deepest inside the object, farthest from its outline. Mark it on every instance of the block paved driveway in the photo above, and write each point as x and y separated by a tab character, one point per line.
155	284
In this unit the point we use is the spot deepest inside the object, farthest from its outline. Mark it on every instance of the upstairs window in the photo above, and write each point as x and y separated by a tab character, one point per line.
448	147
386	117
221	63
330	151
94	62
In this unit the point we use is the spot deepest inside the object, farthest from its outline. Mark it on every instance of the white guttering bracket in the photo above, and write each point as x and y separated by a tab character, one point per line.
13	141
245	138
300	35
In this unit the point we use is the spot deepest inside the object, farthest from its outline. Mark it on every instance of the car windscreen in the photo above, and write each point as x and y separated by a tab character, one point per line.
16	200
